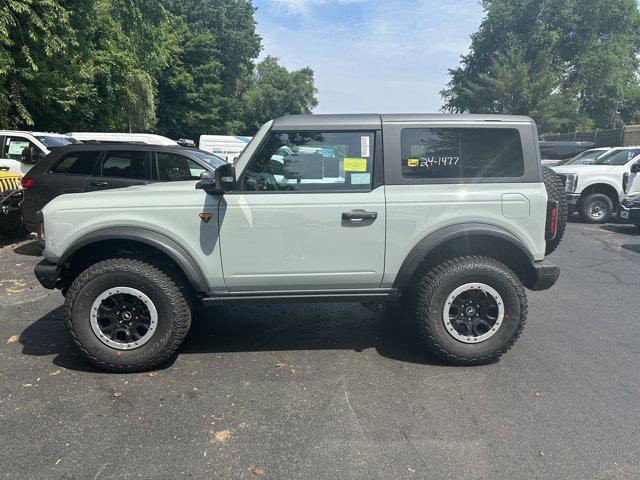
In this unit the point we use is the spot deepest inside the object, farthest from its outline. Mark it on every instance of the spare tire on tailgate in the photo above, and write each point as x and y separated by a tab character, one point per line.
556	192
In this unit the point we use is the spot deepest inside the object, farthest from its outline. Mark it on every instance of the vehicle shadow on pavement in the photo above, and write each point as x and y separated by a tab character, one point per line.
319	326
258	329
47	336
632	247
30	249
623	229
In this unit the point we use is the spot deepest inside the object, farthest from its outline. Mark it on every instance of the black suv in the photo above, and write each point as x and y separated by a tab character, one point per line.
85	168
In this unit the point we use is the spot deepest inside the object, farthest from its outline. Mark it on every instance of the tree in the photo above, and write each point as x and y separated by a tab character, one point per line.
141	105
275	91
515	85
201	88
592	47
33	34
179	67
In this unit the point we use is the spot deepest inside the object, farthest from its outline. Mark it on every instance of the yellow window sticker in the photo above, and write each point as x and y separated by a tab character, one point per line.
413	162
355	164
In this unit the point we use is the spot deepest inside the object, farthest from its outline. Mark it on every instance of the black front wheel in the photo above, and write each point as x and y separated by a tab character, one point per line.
126	314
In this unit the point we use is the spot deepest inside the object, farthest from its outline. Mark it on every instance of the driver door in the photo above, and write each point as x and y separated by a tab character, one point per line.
307	215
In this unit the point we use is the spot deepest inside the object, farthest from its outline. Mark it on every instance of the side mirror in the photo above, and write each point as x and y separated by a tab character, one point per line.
218	182
31	156
635	168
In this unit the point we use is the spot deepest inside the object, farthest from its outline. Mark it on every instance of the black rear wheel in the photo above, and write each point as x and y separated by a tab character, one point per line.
470	310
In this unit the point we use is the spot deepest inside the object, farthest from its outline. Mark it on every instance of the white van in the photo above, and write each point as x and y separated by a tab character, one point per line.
99	137
225	146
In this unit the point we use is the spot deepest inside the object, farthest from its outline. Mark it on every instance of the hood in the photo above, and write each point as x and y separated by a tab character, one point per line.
170	194
584	168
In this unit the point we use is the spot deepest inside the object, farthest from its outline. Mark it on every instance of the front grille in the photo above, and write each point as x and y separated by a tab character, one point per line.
9	182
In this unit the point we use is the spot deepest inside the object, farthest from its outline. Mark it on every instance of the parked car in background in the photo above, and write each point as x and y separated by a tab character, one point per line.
225	146
587	157
85	168
109	137
594	190
11	225
630	209
20	150
553	152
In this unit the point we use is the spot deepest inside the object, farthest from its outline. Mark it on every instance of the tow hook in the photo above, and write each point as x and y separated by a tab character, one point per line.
375	306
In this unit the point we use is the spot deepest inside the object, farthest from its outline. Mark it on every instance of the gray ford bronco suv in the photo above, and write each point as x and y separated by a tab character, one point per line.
452	215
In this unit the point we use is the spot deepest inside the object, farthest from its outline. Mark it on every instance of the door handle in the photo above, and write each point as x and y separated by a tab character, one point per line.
359	215
100	184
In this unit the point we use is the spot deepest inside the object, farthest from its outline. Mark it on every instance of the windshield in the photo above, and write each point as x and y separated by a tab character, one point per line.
618	157
585	158
212	160
56	141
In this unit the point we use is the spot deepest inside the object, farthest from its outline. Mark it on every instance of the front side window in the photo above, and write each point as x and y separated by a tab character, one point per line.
451	153
171	167
77	163
14	147
312	161
125	164
618	157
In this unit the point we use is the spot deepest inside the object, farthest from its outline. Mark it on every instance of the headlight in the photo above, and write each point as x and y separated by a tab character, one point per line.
631	200
571	182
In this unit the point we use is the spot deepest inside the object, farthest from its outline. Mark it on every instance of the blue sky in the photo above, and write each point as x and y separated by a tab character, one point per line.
377	56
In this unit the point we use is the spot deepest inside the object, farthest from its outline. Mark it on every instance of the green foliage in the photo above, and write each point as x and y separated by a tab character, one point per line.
33	34
524	87
274	92
592	48
177	67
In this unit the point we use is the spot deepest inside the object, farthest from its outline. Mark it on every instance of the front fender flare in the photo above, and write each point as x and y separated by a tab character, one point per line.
435	239
171	248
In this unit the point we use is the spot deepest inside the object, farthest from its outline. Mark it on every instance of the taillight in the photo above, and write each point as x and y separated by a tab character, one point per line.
27	182
625	182
552	220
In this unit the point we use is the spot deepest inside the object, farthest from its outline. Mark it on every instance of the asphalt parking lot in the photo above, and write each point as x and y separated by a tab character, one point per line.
335	391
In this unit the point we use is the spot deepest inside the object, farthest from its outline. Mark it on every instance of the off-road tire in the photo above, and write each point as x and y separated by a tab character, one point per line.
171	302
556	192
434	287
584	208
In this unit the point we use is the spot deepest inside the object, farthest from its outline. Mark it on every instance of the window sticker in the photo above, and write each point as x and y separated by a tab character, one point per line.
364	146
360	178
413	162
17	146
355	164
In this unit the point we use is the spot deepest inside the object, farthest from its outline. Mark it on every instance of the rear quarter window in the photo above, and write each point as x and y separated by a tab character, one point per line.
450	153
76	163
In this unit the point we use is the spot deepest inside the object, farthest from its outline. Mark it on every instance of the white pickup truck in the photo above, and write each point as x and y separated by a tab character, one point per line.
594	190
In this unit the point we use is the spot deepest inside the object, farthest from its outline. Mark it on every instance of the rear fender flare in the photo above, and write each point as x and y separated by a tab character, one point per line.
438	238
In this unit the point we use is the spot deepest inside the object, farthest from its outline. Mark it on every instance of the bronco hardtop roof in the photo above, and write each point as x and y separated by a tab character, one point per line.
375	120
